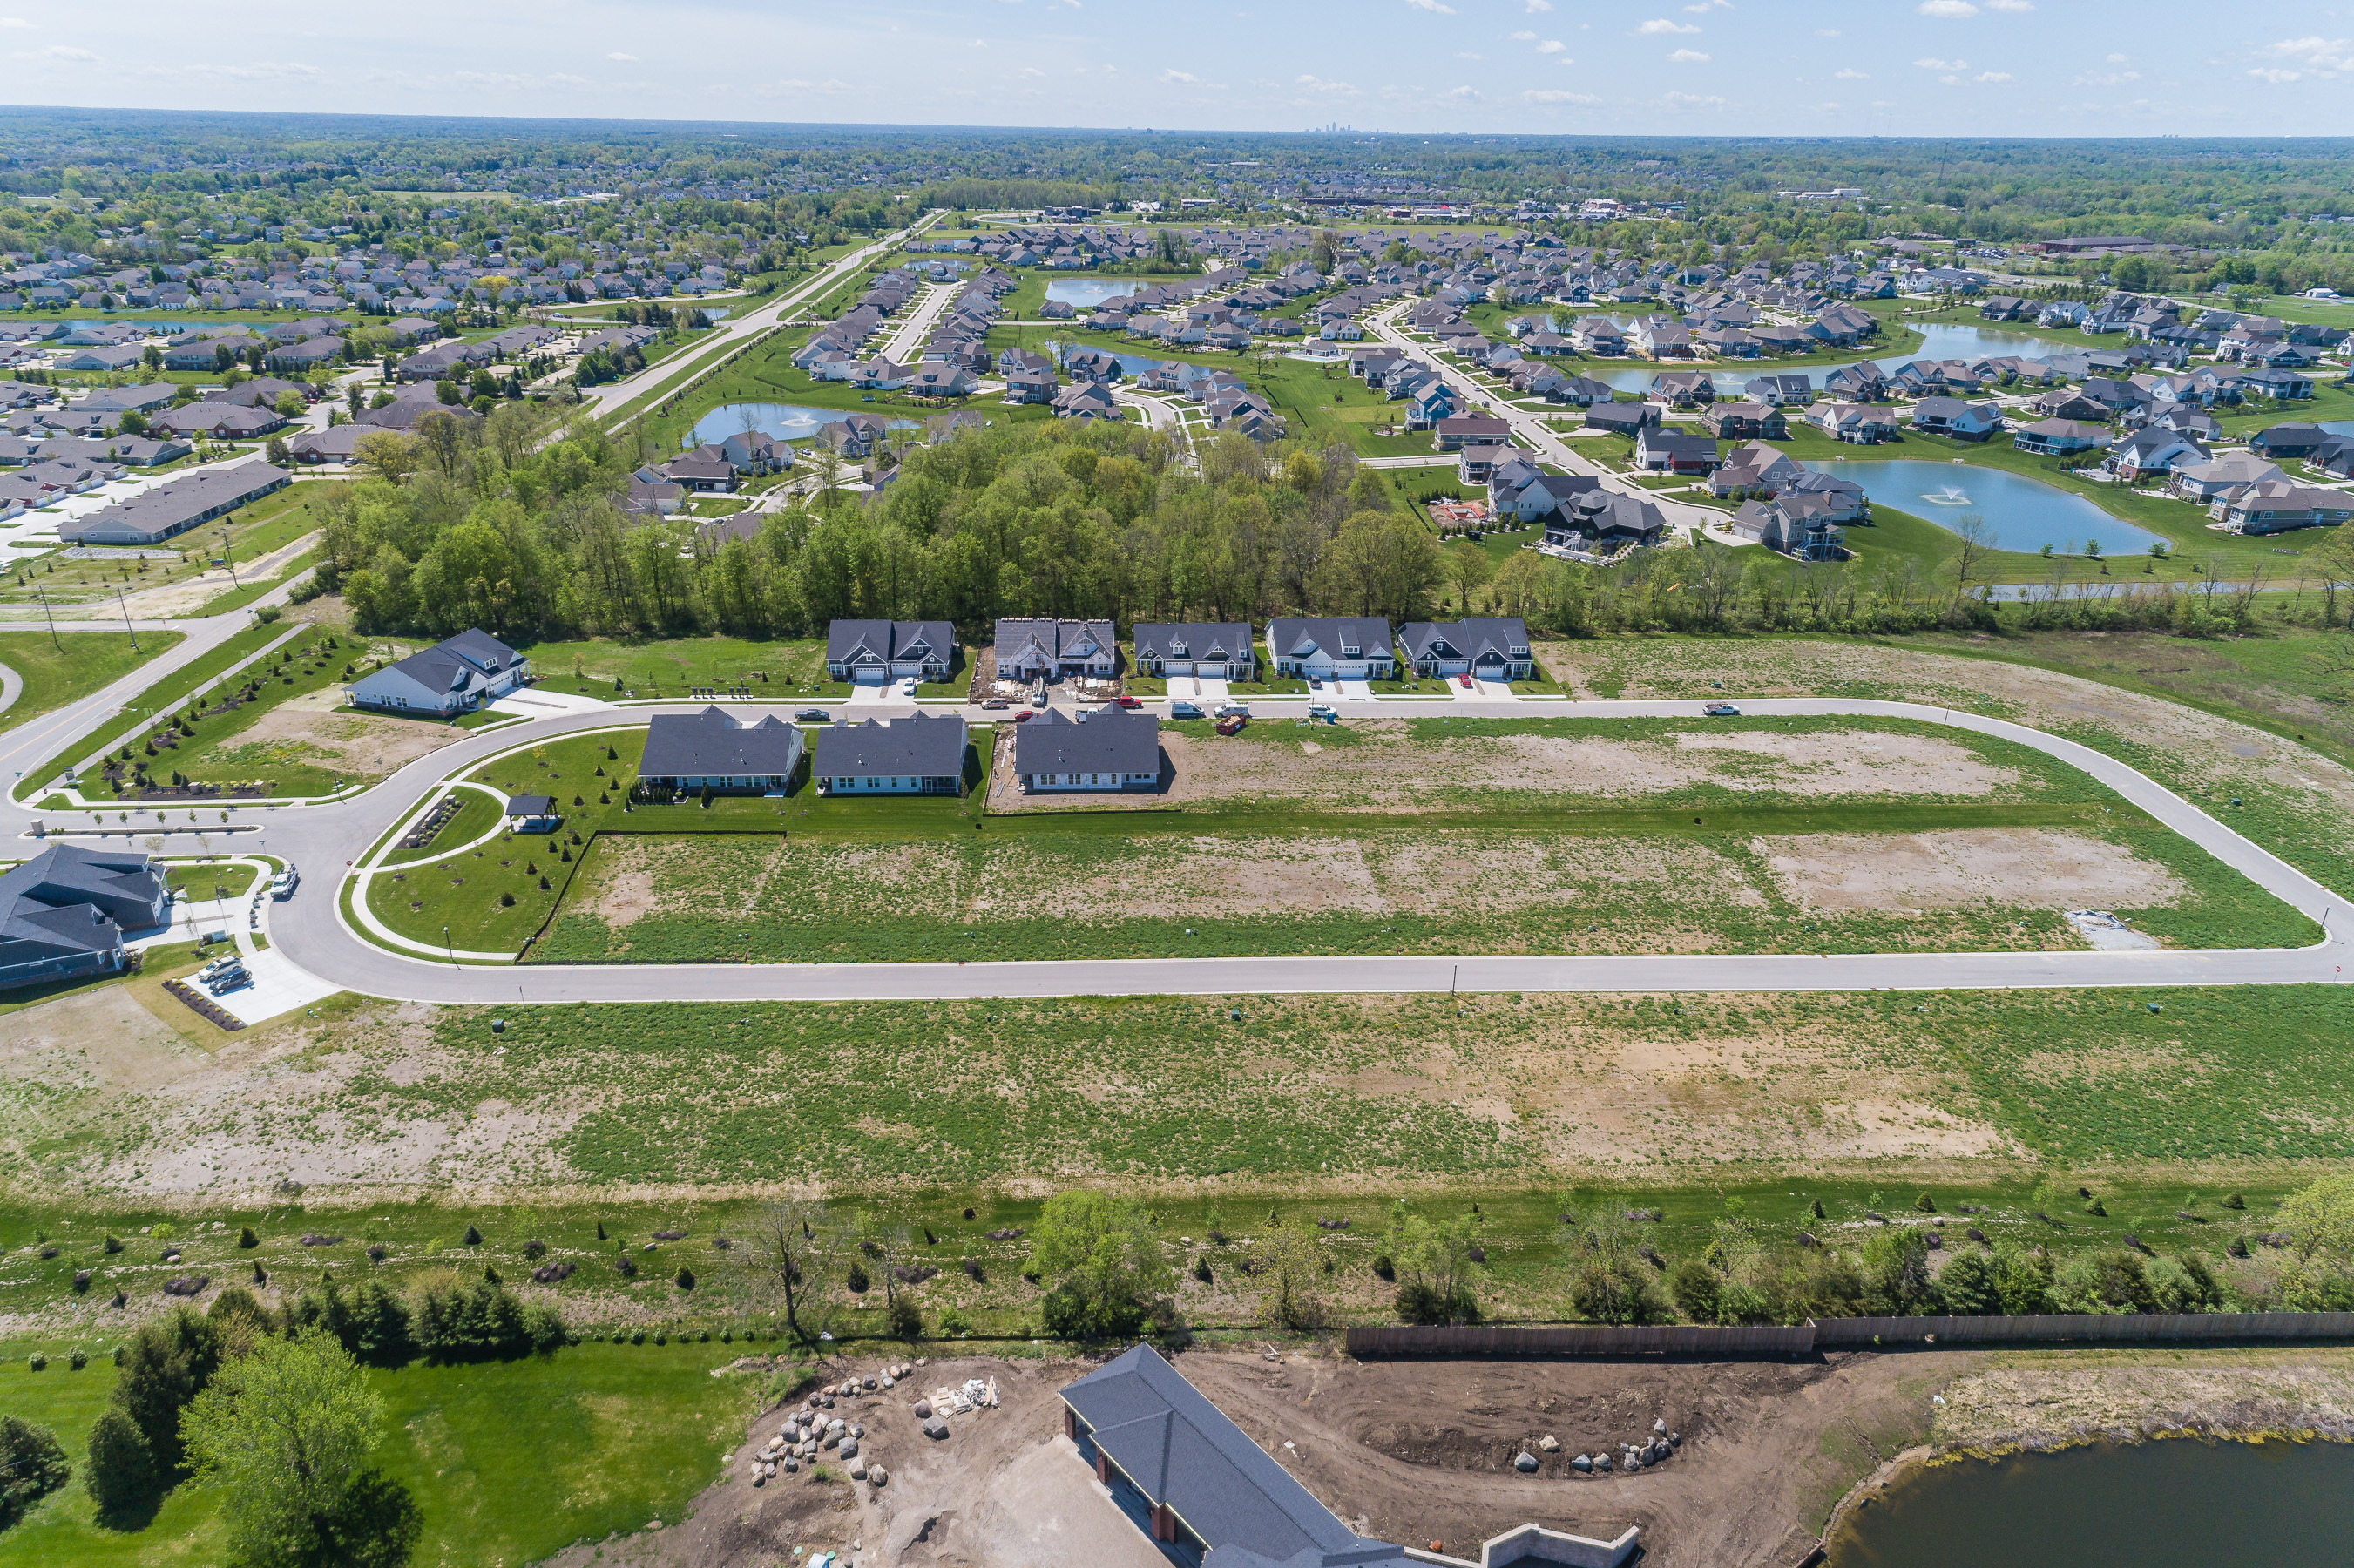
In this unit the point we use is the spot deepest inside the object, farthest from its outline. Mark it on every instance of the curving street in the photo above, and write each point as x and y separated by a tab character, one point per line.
326	838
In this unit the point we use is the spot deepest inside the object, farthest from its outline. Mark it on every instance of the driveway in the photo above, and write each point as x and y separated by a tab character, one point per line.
1353	691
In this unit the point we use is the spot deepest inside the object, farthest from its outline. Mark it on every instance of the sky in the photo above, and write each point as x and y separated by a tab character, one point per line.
1940	68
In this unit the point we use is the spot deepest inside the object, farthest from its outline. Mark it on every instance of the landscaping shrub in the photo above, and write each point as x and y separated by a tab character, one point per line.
246	1239
120	1474
905	1320
36	1362
32	1465
1422	1302
79	1360
482	1321
1697	1289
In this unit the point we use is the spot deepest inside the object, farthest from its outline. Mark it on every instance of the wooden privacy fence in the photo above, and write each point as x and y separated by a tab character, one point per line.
1850	1333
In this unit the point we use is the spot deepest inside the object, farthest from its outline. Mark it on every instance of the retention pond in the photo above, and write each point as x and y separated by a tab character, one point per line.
2173	1504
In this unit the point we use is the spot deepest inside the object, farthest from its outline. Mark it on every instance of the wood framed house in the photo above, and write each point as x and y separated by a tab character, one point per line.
1045	650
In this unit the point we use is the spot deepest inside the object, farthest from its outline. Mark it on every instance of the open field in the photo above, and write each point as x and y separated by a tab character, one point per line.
2289	797
673	667
510	1461
1437	835
70	668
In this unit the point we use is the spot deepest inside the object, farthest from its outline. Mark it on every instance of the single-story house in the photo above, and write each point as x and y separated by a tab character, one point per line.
1777	390
918	754
220	421
1101	748
1216	650
1469	430
2287	441
1605	520
2150	452
455	676
1622	418
2206	481
64	912
709	750
1196	1486
1330	647
175	505
873	653
1495	649
1030	650
1745	422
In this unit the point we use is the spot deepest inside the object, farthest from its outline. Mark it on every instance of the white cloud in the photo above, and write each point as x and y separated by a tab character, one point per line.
1466	94
1318	84
2117	60
1994	76
2277	76
1551	46
2108	79
1664	25
1851	76
2314	54
1951	81
1690	101
617	54
1179	77
1524	37
14	22
1688	56
1432	6
2012	6
55	52
1031	70
1539	7
1556	95
1932	62
1467	54
1827	32
1952	10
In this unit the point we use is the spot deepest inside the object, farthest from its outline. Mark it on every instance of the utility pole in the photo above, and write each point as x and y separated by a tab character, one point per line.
227	560
42	594
126	618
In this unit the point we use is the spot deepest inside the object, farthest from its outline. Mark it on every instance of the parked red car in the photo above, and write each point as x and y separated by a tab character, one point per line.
1464	680
1025	715
1128	702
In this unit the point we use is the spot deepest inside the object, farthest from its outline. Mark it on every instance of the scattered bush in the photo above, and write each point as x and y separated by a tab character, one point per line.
857	1280
1384	1268
32	1465
684	1279
472	1237
904	1319
79	1359
246	1240
36	1362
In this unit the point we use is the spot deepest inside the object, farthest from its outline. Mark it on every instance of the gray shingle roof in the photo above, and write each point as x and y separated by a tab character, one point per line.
923	745
711	745
1505	638
1104	740
1194	640
886	641
68	901
1181	1451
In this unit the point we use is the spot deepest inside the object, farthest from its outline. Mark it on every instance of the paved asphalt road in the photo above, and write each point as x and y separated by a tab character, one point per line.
603	401
323	839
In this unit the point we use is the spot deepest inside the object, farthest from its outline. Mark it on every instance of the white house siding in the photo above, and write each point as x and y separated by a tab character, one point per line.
1058	781
391	689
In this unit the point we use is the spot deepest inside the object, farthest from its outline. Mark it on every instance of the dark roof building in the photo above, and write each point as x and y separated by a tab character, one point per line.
1491	649
1201	1489
1217	649
710	750
918	755
877	651
175	506
63	912
455	676
1102	748
1348	647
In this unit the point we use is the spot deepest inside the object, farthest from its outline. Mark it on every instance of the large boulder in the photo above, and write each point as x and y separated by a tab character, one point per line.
1526	1464
1548	1443
936	1430
923	1410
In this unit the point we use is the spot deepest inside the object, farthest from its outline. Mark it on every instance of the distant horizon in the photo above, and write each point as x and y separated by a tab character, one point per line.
851	127
1921	69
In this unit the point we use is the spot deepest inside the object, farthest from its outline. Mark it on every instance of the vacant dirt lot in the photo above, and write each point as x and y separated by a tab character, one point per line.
1390	764
363	743
2024	866
1416	1452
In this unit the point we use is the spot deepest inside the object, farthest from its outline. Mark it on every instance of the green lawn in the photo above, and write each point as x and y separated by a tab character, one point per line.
72	666
174	693
210	749
509	1461
464	893
591	667
246	593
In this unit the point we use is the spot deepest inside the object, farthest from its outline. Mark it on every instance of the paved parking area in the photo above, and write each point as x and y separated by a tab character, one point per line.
532	703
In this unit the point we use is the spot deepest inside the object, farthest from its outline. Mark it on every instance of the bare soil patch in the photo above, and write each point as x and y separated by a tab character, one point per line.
2016	866
2051	1402
365	745
1389	768
104	1033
